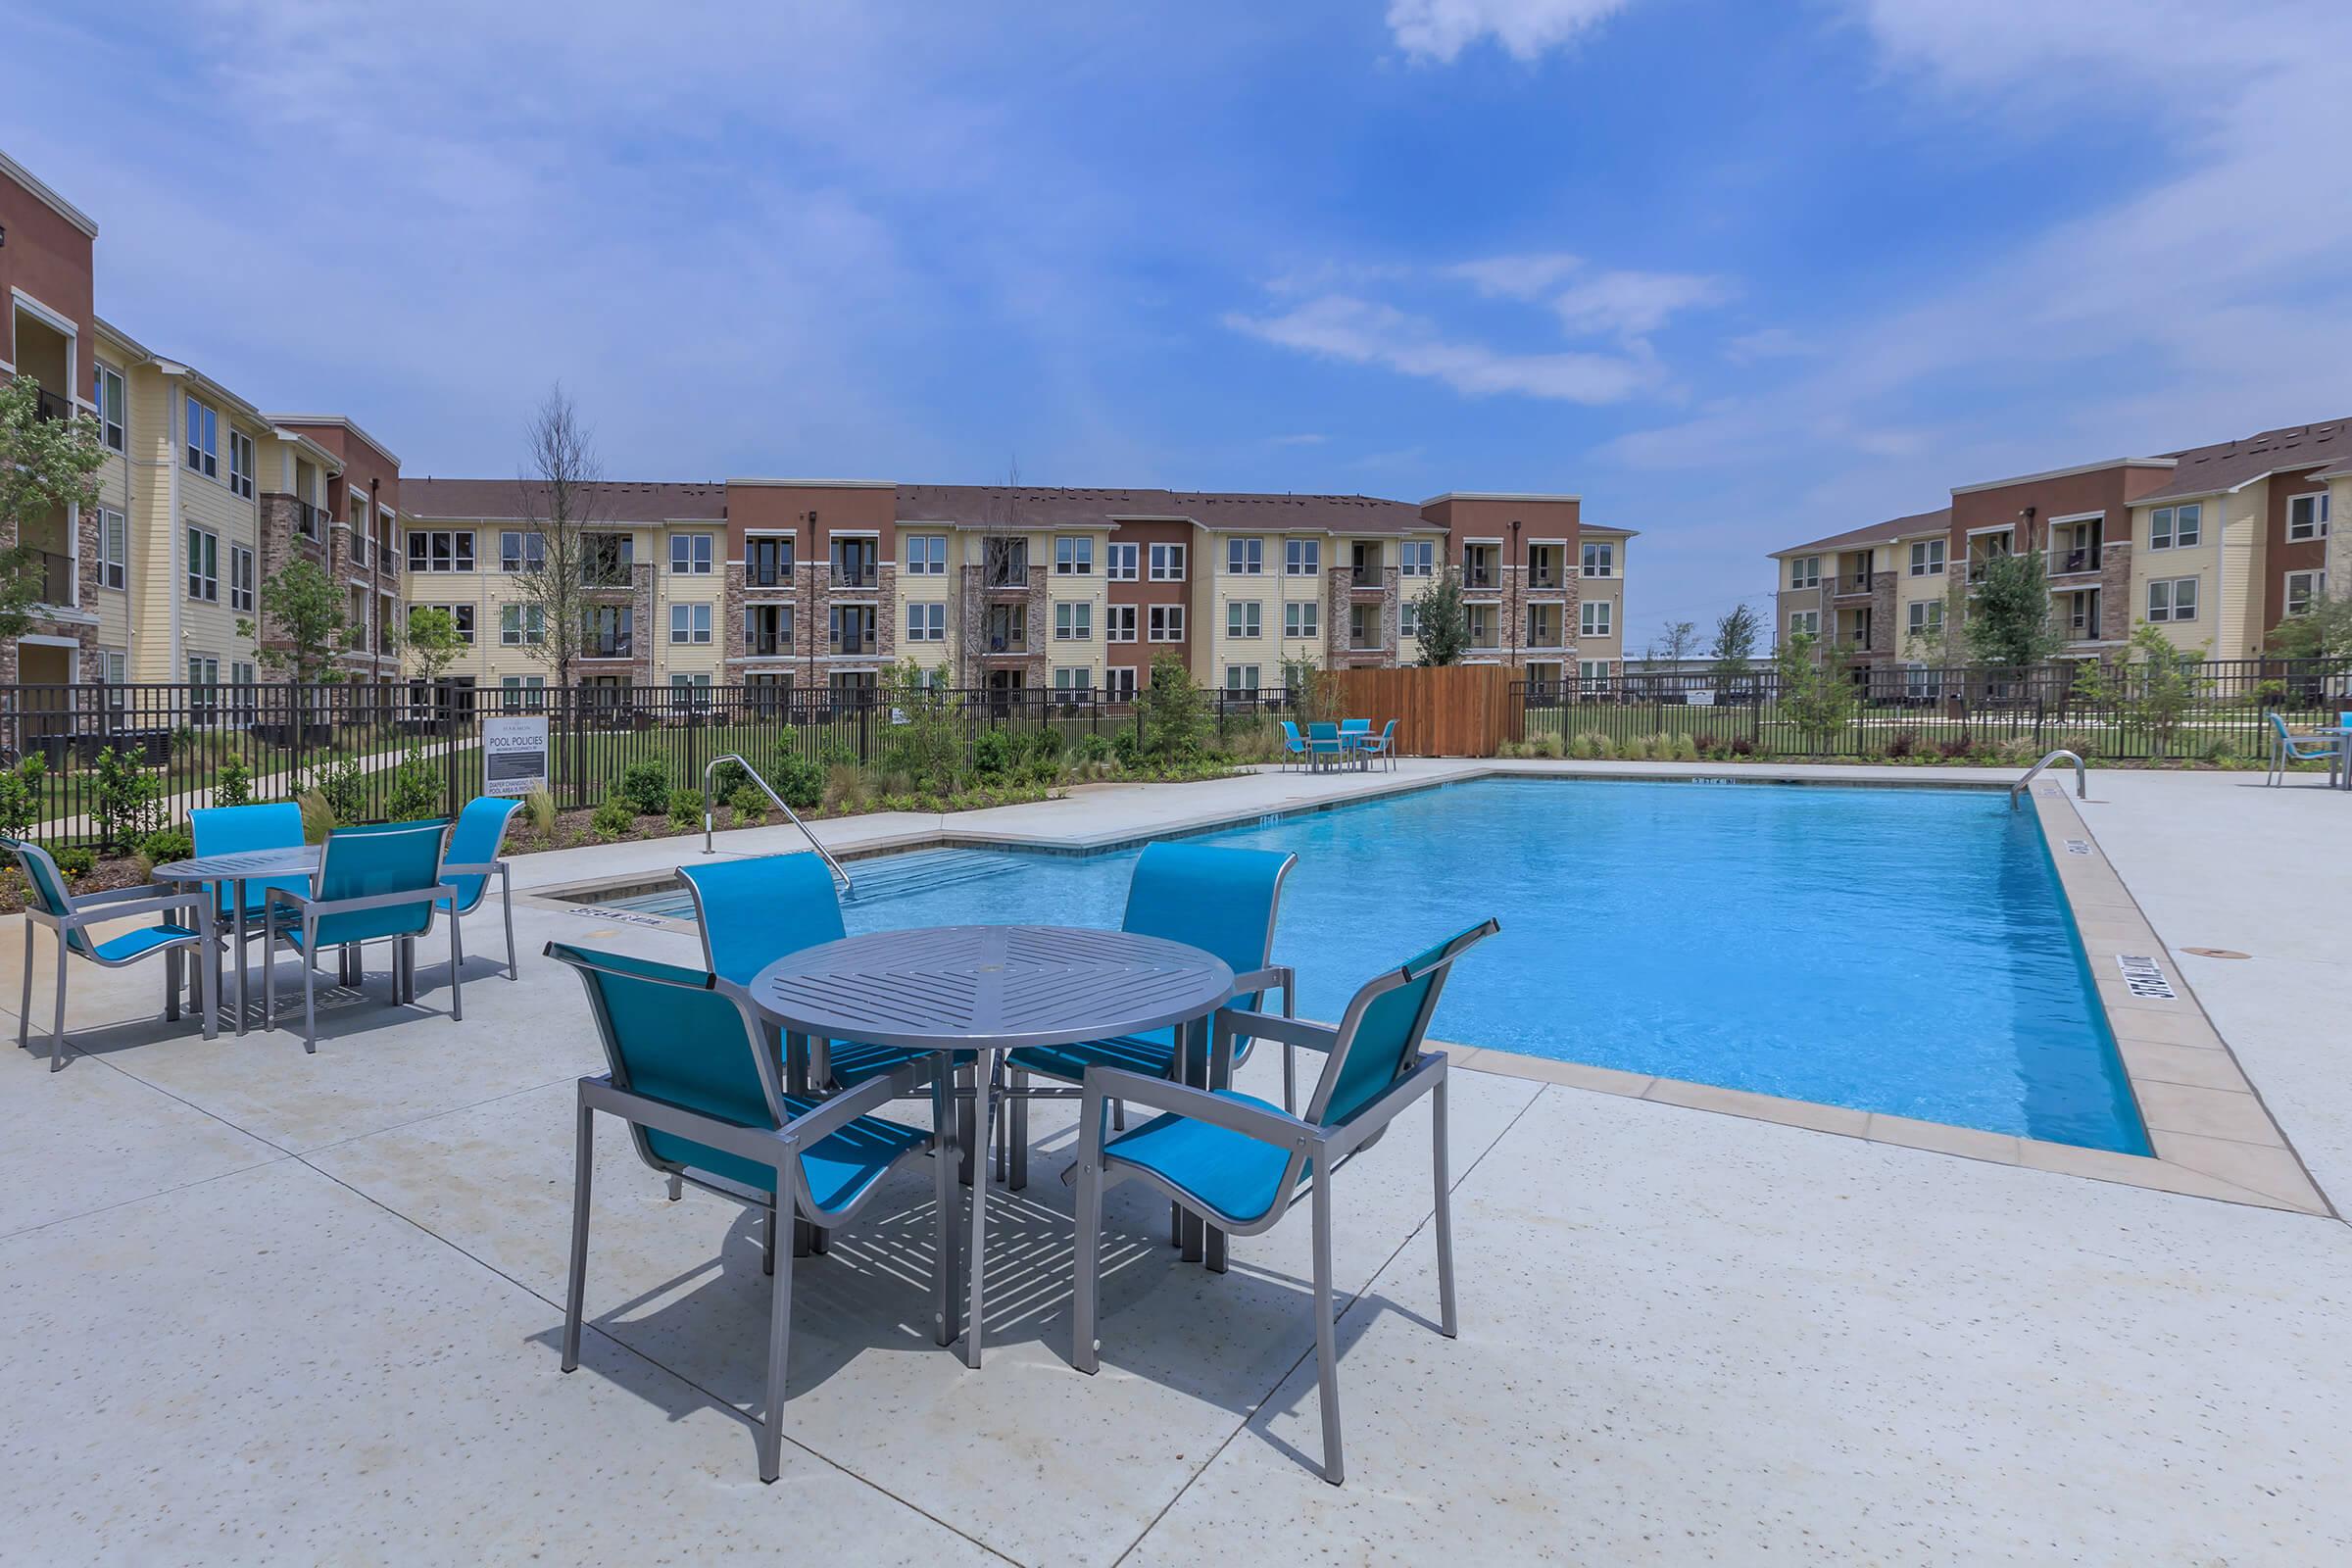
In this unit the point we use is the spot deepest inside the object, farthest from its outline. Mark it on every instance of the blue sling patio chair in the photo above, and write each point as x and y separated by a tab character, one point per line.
694	1076
1323	744
2288	747
185	929
471	860
1382	745
1240	1164
1354	735
1223	902
1294	750
236	830
379	883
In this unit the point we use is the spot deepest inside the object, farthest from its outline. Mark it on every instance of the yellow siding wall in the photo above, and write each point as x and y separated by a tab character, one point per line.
2208	562
928	589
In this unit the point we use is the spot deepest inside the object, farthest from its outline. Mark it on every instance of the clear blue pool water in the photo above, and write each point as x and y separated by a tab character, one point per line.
1905	950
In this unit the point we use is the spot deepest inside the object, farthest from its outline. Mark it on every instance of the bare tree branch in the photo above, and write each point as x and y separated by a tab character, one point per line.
563	501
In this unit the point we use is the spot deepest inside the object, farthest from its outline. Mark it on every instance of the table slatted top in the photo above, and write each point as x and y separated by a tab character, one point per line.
297	861
990	987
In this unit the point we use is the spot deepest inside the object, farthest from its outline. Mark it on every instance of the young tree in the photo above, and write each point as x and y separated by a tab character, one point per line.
1817	695
1445	625
2012	620
1677	641
432	641
1172	712
46	466
303	610
2322	631
1735	637
1943	642
563	505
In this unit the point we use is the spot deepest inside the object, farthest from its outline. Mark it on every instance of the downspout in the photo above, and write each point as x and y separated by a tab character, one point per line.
175	434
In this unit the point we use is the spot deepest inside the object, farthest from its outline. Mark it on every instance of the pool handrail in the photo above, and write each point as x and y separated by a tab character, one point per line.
790	814
2081	777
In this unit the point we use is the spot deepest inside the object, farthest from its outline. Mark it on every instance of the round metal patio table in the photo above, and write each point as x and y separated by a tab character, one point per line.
237	869
992	989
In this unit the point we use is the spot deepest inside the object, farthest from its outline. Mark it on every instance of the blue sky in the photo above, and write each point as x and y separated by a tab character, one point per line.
1738	272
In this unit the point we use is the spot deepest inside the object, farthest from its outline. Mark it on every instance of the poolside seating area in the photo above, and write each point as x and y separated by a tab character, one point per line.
2289	747
1342	743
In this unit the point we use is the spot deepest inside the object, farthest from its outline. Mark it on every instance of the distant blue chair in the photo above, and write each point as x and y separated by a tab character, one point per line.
1382	745
692	1074
1223	902
1294	750
237	830
1323	744
375	884
1240	1164
69	920
1355	734
2288	747
471	860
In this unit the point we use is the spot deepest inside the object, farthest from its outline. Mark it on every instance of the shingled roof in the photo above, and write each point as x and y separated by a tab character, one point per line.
1878	533
1031	505
507	501
2227	465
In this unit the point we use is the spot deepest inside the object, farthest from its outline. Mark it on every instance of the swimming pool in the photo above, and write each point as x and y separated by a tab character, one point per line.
1904	951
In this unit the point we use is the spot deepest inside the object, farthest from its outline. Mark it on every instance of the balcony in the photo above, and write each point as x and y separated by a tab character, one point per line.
611	644
56	576
49	406
309	521
1481	579
1853	583
1543	581
769	645
604	576
767	574
853	574
1363	578
852	643
2066	562
1539	640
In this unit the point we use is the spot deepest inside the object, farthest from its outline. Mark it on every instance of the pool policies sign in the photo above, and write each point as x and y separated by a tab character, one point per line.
513	754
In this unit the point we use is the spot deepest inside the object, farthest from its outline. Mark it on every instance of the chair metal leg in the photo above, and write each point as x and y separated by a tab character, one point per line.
1016	1145
457	979
803	1236
1448	1323
269	977
582	1171
1327	1343
309	1001
172	985
767	1236
780	1351
1118	1115
24	1006
1002	1113
1290	1078
945	1323
982	1119
56	1034
207	958
1089	1260
505	899
967	1096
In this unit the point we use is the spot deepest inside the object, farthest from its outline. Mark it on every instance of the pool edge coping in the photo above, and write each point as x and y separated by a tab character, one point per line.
2185	1163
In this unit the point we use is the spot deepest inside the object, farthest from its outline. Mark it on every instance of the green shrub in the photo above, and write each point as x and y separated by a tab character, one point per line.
685	807
539	807
77	862
417	788
2018	751
233	784
1686	749
1589	746
646	787
845	788
800	781
1552	746
168	844
747	804
992	753
613	819
318	817
343	789
21	796
126	799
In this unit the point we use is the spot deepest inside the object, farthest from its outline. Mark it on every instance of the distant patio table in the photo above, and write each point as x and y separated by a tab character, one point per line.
2339	771
992	989
237	869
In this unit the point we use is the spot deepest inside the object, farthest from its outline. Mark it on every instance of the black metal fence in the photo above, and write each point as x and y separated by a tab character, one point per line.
120	762
2214	709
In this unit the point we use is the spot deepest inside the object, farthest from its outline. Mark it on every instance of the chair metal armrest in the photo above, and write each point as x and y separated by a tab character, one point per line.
431	894
90	912
145	890
1272	1026
1370	1121
1104	1084
1272	976
486	868
839	1111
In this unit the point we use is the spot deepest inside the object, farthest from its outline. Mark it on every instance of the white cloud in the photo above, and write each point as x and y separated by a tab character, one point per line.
1768	343
1306	438
1355	331
1636	304
1441	29
1516	277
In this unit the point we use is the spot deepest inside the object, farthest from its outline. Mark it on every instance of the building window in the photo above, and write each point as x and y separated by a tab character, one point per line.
1927	557
1245	557
926	555
926	623
1805	572
1417	558
461	617
1073	557
113	548
1074	622
1075	680
1118	683
1120	567
1167	562
1242	619
1241	680
204	565
1119	622
1601	559
2306	516
690	623
240	464
106	391
1299	617
523	625
518	551
2175	527
441	549
2303	589
203	439
114	667
1408	618
1593	618
2173	599
768	562
1302	557
1805	624
1926	617
690	554
240	578
1166	622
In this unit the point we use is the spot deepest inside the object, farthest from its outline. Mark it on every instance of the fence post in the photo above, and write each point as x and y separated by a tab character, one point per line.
449	746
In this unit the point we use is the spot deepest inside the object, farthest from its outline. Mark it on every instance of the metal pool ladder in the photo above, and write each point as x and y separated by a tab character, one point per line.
2017	790
792	815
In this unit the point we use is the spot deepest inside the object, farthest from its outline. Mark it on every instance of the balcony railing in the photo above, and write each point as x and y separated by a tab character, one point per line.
1364	642
2073	560
1478	577
767	575
612	647
854	642
1544	639
57	575
1854	582
768	645
49	406
1006	575
1365	578
308	521
852	574
1543	579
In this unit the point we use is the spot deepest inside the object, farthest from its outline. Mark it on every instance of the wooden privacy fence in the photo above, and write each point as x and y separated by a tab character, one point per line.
1457	710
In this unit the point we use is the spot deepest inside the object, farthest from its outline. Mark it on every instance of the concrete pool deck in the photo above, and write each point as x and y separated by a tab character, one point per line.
277	1308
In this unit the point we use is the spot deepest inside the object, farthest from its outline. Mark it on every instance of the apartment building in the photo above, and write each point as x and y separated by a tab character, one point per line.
2213	544
814	585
